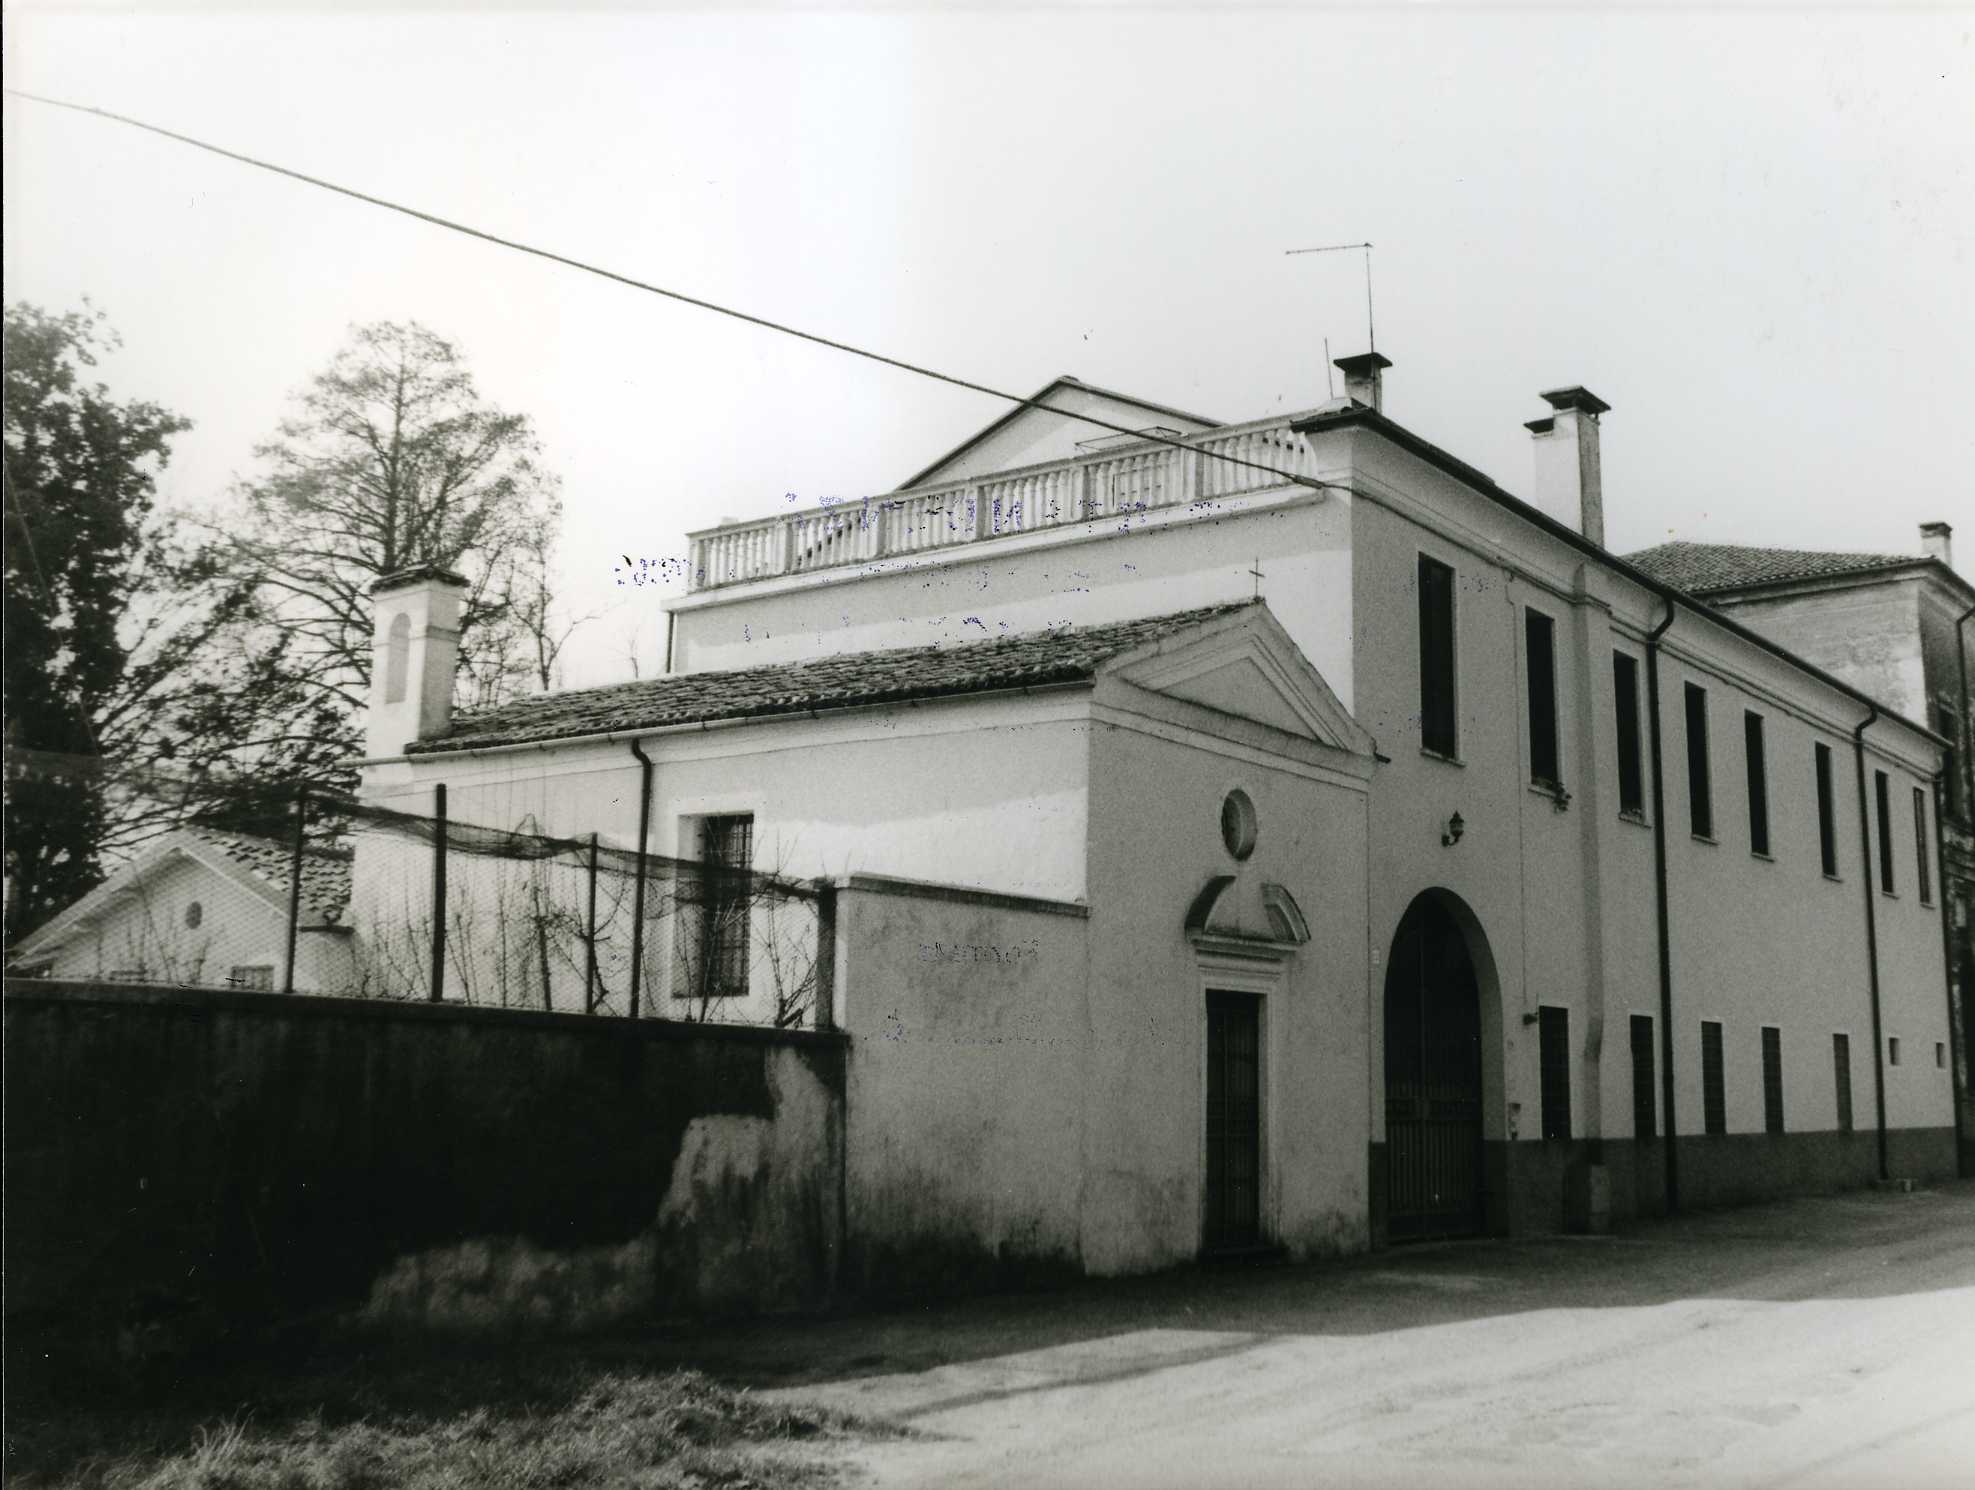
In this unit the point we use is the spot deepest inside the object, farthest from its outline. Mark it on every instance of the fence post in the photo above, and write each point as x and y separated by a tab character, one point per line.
295	887
438	993
638	896
590	941
826	957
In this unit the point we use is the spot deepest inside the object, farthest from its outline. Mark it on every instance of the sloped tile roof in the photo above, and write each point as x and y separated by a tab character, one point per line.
1065	655
1702	568
325	871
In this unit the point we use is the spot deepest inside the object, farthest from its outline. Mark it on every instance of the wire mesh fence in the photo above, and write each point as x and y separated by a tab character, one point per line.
369	900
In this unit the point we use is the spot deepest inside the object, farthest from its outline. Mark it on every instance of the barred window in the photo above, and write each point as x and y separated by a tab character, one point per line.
1645	1110
1714	1081
727	854
1772	1079
1554	1032
1841	1070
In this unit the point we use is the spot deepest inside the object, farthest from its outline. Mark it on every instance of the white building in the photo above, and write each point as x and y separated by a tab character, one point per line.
203	908
1268	835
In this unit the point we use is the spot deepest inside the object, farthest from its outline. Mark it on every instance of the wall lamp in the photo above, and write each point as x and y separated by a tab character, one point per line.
1455	828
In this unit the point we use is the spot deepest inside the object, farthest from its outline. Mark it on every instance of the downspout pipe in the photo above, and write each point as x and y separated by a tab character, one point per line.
1669	1145
1871	933
638	895
1944	908
1964	745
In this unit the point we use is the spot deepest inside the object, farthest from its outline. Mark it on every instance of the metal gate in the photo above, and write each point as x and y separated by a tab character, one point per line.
1432	1079
1234	1122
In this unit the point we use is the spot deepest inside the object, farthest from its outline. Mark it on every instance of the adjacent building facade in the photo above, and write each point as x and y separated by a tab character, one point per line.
204	908
1269	835
1898	628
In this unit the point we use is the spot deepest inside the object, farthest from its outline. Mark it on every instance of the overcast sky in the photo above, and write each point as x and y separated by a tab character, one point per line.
1753	235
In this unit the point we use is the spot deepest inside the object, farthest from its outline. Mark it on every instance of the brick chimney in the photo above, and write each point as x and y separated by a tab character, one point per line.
1937	542
1569	479
1363	377
414	646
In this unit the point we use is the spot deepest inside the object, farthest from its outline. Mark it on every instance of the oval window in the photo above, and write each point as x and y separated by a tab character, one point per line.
1238	824
194	914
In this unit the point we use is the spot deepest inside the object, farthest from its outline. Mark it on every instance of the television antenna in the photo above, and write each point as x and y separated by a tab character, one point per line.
1371	331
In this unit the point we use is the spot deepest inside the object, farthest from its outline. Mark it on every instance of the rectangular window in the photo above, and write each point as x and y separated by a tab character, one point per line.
1772	1079
1714	1084
1882	790
1700	790
716	960
1925	878
258	978
1555	1029
1540	639
1827	828
1841	1069
1940	1055
1436	588
1645	1108
1625	694
1758	764
1892	1050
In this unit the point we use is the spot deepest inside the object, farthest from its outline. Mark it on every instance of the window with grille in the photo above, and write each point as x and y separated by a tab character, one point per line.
1436	597
1555	1030
1700	788
1714	1083
1540	647
726	851
1625	696
1645	1110
1925	877
252	977
1827	828
1772	1079
1758	768
1841	1070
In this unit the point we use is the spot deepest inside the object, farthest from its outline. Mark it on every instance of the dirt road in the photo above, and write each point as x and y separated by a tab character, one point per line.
1818	1344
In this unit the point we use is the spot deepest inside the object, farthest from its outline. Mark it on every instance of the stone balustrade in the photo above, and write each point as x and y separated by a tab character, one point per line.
1139	477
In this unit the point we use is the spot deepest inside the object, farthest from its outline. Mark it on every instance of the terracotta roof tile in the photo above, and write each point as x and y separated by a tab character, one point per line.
1703	568
1064	655
325	871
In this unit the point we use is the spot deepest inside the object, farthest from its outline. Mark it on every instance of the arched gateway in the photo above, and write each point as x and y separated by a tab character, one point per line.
1433	1076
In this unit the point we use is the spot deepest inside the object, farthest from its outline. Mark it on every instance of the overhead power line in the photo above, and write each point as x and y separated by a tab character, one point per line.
679	295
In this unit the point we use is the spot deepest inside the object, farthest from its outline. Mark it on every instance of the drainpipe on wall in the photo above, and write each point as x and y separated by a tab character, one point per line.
638	896
1871	933
1669	1144
1962	739
1944	908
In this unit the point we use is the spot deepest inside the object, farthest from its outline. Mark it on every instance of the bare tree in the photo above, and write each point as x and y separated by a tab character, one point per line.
393	459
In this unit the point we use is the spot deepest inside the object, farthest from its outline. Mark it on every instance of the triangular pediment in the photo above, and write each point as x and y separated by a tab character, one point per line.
1027	435
1246	666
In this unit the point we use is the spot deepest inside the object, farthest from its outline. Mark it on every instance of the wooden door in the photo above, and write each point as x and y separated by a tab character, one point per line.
1234	1122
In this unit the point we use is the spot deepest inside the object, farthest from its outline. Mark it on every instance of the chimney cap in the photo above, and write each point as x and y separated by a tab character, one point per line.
1360	363
419	573
1575	397
1936	530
